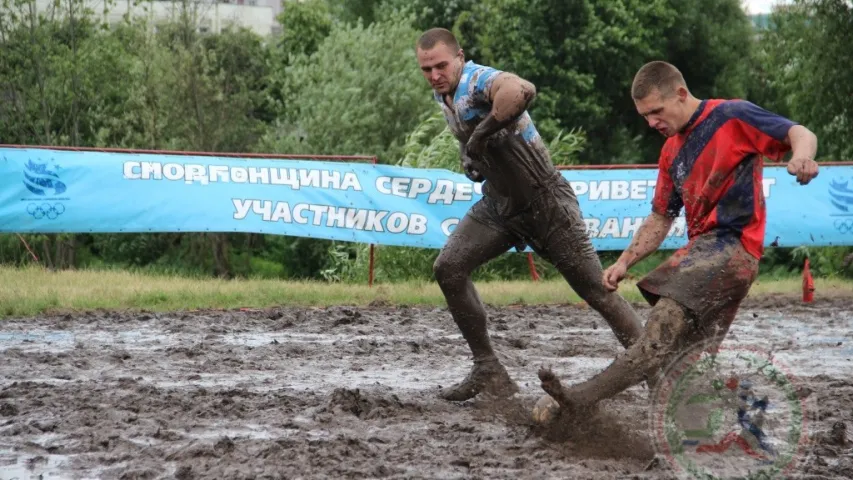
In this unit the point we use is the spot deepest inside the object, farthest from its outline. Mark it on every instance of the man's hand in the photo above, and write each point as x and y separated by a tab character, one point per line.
470	170
613	275
476	145
803	144
804	168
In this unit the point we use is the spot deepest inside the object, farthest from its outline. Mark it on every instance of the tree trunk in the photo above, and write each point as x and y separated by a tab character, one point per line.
45	246
220	255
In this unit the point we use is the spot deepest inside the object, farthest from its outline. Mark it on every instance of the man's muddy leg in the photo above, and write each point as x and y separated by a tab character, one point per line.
571	252
664	335
470	245
715	326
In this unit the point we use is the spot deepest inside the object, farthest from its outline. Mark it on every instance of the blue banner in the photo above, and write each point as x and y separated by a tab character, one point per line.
51	191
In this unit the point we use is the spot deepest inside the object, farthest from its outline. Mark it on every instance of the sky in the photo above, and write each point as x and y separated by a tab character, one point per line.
761	6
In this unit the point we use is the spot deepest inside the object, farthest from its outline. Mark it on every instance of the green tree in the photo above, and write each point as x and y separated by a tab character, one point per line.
304	25
583	54
360	93
806	63
355	11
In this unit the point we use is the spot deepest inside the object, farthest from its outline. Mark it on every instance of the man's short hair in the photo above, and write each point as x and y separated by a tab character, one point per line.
656	75
434	36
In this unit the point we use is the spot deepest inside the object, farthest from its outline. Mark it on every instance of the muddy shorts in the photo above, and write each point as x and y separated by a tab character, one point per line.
709	277
551	224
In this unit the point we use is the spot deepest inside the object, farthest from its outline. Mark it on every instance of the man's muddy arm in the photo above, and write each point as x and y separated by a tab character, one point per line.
510	96
648	238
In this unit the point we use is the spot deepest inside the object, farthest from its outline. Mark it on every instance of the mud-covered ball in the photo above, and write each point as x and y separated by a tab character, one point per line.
545	410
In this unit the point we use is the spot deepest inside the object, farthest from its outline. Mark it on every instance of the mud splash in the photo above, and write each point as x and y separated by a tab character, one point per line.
351	392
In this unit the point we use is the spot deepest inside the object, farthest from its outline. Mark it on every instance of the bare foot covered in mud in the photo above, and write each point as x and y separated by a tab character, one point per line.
584	429
569	402
552	386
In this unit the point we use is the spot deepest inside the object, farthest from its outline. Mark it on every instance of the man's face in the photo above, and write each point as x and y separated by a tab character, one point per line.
665	113
442	67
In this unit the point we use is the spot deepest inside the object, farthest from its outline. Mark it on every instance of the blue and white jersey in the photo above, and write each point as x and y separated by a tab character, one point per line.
517	162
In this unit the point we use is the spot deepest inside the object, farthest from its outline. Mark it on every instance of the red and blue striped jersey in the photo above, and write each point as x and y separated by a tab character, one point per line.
713	169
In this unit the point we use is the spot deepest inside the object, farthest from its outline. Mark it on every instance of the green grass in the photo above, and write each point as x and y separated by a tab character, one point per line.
34	291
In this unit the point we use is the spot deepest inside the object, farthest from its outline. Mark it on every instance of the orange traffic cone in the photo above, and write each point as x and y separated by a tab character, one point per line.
808	283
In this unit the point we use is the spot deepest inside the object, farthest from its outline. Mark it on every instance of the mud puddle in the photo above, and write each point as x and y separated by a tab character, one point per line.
347	392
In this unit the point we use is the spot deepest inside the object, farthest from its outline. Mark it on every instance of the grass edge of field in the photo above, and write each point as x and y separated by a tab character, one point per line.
37	291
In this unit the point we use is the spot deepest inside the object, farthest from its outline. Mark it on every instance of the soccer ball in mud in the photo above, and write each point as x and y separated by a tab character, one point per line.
545	410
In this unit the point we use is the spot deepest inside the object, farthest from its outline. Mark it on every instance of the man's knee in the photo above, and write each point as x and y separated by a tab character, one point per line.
668	321
669	308
447	271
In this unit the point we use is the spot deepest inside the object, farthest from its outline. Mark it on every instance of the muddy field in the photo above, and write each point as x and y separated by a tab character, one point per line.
349	392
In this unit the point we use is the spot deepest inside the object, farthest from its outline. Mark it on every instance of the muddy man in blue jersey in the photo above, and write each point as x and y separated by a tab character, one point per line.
525	202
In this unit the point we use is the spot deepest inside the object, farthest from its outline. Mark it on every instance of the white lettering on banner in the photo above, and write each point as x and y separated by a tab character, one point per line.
614	189
195	173
445	191
766	184
350	182
630	190
218	173
281	213
173	171
259	175
383	185
311	178
626	227
330	180
152	170
297	213
419	186
397	222
318	211
399	186
336	217
242	208
329	216
374	220
263	209
463	192
448	224
417	225
631	225
130	170
239	175
281	176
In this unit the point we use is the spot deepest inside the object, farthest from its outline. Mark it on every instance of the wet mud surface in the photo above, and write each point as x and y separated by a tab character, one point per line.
349	392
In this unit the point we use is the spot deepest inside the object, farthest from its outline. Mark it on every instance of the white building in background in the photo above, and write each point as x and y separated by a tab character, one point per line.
276	5
211	16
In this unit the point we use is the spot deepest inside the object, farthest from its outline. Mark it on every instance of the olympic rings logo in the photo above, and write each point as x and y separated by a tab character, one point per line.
45	210
844	226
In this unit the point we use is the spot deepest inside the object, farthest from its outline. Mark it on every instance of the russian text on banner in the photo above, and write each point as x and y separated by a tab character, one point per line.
49	191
